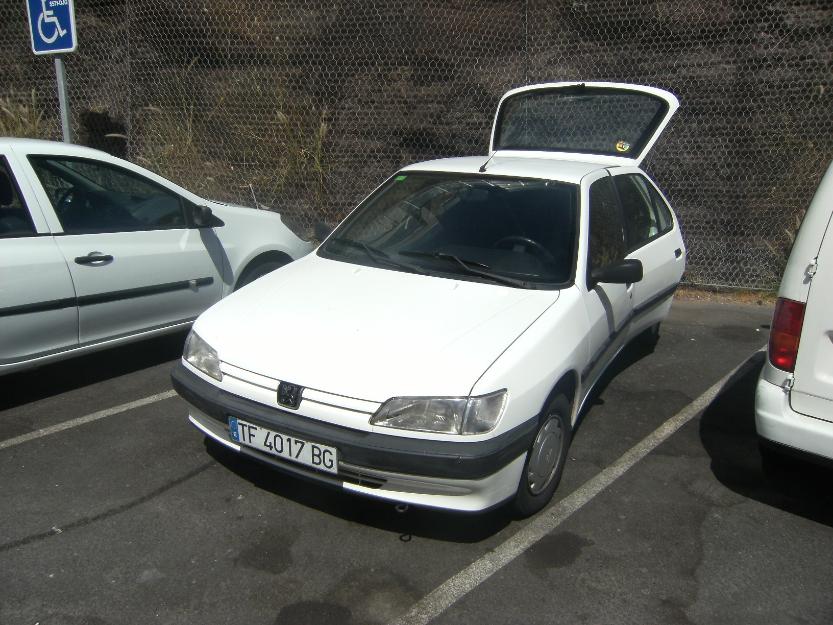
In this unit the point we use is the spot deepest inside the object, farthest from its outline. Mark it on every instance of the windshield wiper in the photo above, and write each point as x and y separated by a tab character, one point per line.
445	256
377	255
472	267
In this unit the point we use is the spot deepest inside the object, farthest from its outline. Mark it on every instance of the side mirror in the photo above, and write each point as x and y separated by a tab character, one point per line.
202	217
322	230
625	271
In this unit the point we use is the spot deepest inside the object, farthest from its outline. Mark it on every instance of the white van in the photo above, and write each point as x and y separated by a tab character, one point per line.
794	398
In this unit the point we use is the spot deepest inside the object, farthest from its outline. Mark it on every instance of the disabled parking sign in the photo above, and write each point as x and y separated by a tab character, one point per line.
52	26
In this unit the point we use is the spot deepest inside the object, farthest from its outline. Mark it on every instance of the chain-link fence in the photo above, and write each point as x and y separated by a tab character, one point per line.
305	106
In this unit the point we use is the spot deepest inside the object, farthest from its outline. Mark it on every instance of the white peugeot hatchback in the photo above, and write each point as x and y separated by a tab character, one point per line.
794	397
437	348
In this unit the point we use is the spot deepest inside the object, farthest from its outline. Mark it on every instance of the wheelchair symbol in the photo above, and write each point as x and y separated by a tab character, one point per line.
47	16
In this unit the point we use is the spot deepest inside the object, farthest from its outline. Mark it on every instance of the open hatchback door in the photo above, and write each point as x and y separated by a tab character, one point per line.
604	122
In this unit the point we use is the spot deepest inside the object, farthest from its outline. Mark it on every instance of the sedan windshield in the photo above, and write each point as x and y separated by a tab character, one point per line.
511	231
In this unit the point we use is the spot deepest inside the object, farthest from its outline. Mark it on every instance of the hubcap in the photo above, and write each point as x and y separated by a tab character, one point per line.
545	456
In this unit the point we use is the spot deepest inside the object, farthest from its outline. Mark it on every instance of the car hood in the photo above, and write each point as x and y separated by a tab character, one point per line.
369	333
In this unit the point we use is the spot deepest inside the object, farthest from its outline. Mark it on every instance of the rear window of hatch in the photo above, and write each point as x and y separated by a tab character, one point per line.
579	119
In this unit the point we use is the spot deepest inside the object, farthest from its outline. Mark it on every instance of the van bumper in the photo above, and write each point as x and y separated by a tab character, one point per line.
776	422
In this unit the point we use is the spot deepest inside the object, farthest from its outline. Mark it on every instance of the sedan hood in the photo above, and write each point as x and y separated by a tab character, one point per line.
369	333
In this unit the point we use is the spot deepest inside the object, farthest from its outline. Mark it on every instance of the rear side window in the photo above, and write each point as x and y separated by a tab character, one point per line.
607	243
15	220
637	206
92	196
664	219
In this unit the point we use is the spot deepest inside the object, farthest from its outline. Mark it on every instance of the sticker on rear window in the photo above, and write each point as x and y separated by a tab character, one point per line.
400	178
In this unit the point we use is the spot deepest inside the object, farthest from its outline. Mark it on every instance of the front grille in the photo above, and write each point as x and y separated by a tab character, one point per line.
361	479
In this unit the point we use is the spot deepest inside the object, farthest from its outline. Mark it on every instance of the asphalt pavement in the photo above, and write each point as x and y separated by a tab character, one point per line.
132	517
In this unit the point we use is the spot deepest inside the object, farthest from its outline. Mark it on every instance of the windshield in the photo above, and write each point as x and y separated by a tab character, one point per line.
513	231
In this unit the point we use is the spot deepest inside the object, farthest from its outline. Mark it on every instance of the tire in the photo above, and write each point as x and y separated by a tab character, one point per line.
545	460
259	270
650	336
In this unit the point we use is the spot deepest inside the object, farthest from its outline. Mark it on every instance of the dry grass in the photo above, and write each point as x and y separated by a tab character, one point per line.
727	296
280	140
24	118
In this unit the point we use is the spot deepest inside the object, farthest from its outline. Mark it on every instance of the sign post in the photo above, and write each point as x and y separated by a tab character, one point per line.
52	28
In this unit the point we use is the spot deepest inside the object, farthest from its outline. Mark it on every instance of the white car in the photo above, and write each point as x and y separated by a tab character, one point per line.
794	396
437	348
95	251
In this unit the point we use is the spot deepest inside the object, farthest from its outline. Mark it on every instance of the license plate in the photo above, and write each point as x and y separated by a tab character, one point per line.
288	447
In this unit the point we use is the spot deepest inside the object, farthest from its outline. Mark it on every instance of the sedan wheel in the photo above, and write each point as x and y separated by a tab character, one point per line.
545	459
545	456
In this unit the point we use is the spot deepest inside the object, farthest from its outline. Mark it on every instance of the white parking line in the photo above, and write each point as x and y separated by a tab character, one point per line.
66	425
458	586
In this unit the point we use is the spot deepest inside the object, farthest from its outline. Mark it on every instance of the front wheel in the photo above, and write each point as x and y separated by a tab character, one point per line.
261	269
649	337
545	460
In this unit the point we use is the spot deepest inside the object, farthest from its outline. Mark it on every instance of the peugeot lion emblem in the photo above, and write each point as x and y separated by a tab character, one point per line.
289	395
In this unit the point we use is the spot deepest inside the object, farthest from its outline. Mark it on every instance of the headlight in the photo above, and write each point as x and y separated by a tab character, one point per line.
447	415
202	356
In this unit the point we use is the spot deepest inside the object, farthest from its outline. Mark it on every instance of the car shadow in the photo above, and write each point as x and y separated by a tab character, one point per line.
60	377
727	431
405	521
631	354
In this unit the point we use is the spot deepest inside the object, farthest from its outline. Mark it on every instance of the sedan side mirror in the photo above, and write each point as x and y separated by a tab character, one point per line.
202	217
322	230
625	271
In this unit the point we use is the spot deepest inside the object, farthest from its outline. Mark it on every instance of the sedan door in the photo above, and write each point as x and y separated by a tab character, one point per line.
38	314
653	238
608	305
136	263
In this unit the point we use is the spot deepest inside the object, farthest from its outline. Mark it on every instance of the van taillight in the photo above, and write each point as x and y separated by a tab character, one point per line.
785	332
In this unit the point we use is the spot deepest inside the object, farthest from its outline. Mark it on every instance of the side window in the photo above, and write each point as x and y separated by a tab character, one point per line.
606	240
637	206
15	220
92	196
664	219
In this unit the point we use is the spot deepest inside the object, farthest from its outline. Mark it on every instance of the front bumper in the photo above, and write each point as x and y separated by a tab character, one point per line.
777	422
465	476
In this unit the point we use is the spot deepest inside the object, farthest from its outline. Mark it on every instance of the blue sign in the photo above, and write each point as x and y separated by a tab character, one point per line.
52	26
232	429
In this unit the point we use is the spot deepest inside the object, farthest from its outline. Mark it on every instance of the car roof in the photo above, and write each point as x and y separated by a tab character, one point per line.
41	145
514	166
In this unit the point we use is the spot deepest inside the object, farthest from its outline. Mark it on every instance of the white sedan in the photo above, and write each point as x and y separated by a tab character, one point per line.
438	347
96	251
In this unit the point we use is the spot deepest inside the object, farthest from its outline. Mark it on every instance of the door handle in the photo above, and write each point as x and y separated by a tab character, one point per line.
678	252
92	258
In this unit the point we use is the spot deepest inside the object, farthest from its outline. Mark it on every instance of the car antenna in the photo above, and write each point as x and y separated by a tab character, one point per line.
483	166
